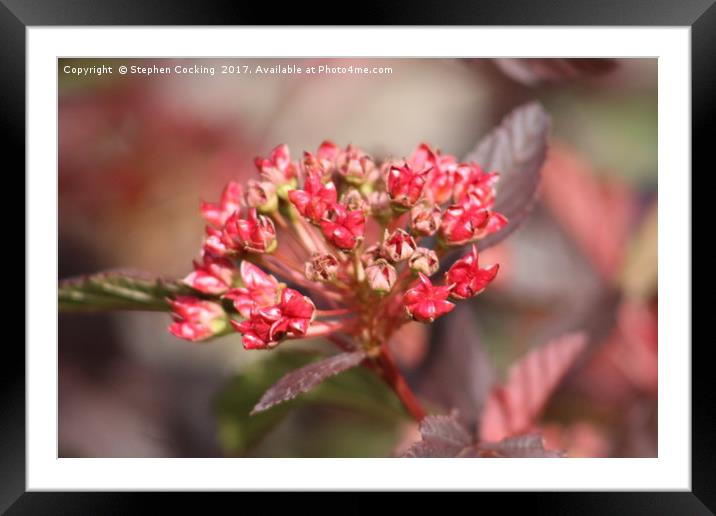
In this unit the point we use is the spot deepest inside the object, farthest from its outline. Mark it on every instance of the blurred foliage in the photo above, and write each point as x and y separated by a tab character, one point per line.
618	133
640	271
359	415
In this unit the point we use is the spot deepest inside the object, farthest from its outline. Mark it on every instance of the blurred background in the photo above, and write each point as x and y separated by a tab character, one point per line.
137	153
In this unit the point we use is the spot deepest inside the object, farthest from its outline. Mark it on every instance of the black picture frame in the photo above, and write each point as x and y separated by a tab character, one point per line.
700	15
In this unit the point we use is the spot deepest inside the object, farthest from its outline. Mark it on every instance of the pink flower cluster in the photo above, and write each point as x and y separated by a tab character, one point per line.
362	238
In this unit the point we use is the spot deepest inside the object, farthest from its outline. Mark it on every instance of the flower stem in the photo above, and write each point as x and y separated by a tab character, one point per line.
299	226
278	218
333	313
322	329
359	271
288	262
396	222
393	377
281	269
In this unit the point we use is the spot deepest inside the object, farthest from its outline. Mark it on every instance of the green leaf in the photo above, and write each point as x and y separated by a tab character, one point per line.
357	391
118	290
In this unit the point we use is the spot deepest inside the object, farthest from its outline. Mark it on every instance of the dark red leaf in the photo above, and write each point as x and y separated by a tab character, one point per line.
443	436
516	149
532	72
523	446
444	428
457	372
512	408
306	378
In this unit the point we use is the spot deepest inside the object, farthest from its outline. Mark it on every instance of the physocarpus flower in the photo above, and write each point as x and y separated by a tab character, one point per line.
340	246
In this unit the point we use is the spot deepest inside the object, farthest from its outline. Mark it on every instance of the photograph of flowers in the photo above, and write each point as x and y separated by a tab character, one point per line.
357	257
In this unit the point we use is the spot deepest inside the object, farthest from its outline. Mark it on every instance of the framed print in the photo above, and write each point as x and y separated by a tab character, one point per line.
359	258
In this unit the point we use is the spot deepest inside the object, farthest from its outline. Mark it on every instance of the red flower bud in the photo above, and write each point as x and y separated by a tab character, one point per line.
328	151
315	199
196	319
439	178
262	196
422	158
467	278
425	261
469	220
312	166
472	181
298	311
278	168
426	302
323	163
260	289
381	276
425	218
352	199
216	214
214	275
342	228
379	203
438	185
398	245
371	254
267	326
497	222
462	223
257	329
322	267
214	243
255	234
354	164
405	186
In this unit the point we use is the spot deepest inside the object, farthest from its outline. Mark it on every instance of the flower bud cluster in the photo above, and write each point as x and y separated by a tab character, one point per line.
362	238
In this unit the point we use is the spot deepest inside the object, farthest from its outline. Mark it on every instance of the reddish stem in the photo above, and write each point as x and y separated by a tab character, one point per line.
392	375
386	368
280	269
322	329
287	261
396	222
341	343
333	313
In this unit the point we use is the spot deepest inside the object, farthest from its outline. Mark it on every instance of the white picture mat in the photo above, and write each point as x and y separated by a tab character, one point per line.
671	470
